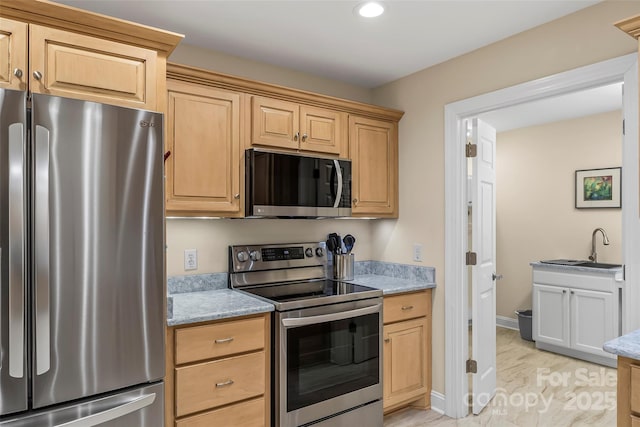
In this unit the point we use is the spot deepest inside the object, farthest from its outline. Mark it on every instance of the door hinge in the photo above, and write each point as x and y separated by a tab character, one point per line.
472	366
471	150
471	258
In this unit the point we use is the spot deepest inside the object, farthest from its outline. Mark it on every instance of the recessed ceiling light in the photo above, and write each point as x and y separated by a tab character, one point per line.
370	9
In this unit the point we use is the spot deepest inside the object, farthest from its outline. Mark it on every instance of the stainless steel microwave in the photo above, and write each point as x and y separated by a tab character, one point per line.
296	186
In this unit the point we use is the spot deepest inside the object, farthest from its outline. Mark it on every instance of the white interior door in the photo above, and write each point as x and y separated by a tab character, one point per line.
483	236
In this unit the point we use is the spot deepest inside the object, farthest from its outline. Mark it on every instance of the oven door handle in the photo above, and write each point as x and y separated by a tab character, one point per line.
323	318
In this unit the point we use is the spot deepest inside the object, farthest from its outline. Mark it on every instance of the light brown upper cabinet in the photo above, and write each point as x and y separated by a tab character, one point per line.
78	66
53	49
203	136
283	124
373	148
13	54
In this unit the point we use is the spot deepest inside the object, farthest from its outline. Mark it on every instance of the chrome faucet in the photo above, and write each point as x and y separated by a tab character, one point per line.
605	240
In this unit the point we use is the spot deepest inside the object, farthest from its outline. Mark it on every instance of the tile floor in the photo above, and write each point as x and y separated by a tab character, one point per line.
534	388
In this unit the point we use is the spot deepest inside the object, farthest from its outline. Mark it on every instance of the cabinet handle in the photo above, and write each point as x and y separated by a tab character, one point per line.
564	291
37	75
224	340
17	72
387	340
295	137
407	307
236	196
224	384
572	292
355	202
304	137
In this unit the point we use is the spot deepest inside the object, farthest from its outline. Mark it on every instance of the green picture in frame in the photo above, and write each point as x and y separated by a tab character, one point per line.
598	188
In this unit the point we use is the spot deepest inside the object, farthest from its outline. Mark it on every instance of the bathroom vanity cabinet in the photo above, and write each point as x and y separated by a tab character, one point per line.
576	310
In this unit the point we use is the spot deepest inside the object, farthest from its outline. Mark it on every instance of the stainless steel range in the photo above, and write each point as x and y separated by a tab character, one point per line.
327	349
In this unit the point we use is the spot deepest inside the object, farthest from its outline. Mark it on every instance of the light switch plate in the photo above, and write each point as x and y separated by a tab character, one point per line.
417	252
191	259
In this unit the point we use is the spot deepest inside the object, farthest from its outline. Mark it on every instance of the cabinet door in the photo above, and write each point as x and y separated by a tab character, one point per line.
373	148
13	54
78	66
405	359
592	321
203	135
275	123
321	130
551	315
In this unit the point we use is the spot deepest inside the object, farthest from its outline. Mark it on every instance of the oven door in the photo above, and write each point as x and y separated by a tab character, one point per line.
328	360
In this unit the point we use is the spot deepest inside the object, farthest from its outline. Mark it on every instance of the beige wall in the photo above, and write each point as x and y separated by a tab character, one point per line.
217	61
211	237
536	217
582	38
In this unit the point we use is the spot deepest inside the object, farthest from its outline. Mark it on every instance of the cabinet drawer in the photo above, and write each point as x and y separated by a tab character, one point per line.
634	392
406	306
211	384
220	339
245	414
635	421
84	67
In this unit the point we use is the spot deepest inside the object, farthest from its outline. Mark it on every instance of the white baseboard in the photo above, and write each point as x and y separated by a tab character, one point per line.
437	402
507	322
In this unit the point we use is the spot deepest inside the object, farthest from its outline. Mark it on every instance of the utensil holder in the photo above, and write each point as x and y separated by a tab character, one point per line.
343	266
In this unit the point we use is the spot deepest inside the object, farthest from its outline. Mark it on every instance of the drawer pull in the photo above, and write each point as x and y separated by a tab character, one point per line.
224	340
387	340
224	384
407	307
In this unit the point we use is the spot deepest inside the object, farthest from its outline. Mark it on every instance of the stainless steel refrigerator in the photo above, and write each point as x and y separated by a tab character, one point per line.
81	264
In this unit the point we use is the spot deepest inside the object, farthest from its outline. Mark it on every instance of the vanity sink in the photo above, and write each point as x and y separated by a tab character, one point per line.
580	263
598	265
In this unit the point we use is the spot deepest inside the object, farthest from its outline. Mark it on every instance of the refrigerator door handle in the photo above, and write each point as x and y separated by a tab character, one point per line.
16	251
113	413
41	225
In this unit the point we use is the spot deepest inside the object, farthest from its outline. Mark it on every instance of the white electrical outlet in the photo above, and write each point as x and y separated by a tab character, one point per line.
417	252
190	259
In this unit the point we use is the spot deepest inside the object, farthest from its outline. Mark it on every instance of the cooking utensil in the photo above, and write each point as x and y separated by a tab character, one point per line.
334	243
349	241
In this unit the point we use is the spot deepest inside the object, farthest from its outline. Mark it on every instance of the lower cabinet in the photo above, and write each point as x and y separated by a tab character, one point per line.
628	398
407	350
218	373
575	321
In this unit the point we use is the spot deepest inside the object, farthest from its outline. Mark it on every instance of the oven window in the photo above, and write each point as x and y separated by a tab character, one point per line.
331	359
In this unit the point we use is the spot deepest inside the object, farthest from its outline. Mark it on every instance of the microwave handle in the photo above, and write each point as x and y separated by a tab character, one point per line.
336	165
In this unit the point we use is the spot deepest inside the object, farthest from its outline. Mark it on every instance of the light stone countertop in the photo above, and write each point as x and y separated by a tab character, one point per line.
223	303
391	285
627	345
192	307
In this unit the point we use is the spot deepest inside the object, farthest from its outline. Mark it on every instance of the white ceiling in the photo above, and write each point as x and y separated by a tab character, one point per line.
327	39
578	104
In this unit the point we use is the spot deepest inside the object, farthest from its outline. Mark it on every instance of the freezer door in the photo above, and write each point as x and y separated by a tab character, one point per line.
13	341
98	243
139	407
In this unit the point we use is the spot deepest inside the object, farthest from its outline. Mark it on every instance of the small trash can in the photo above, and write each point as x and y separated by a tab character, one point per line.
524	323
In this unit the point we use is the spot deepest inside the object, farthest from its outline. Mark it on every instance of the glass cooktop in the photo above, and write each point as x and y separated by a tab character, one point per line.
311	293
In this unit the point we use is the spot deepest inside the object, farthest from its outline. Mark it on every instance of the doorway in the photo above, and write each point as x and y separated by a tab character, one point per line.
456	293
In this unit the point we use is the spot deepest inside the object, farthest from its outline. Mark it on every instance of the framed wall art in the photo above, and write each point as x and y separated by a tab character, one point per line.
598	188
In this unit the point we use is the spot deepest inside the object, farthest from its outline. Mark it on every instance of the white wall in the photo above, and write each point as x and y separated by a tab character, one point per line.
536	217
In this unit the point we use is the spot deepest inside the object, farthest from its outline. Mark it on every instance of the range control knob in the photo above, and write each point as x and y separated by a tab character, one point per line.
308	252
319	252
255	255
242	256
